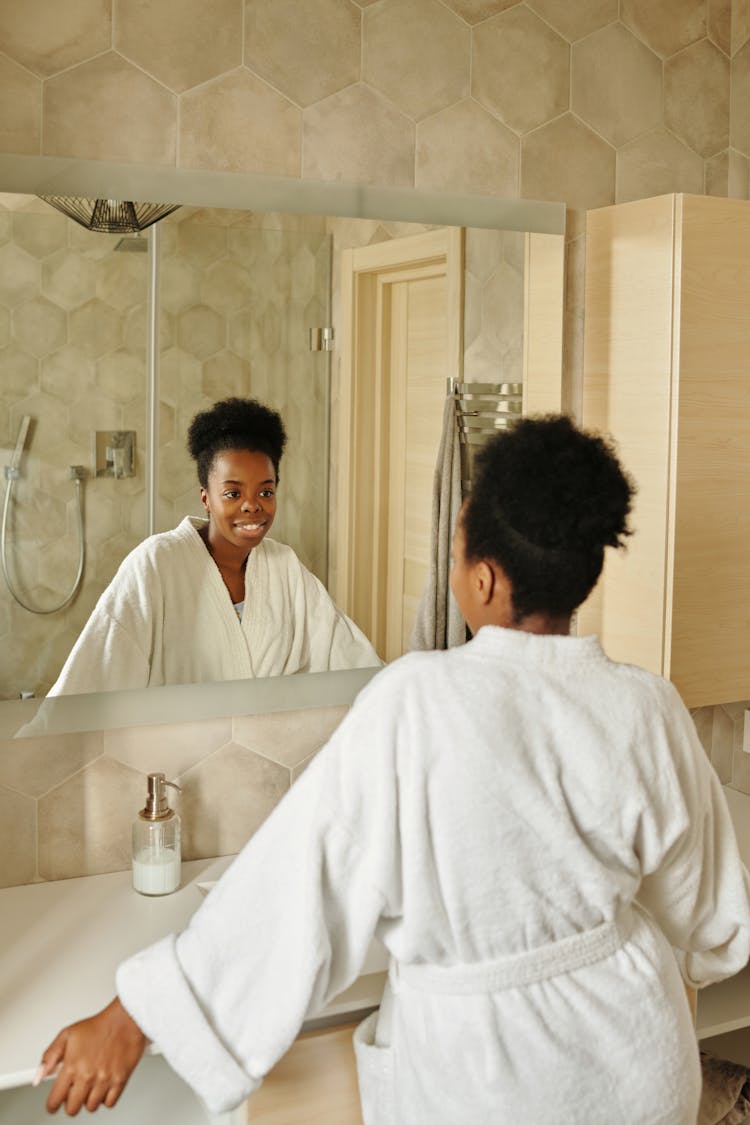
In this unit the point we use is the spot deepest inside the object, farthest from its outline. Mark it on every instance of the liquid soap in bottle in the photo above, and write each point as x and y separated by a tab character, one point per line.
156	841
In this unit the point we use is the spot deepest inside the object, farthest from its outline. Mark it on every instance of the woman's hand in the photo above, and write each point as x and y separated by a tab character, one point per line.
94	1059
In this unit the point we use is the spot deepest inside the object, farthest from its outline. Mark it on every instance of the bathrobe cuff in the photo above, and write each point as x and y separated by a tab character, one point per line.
153	990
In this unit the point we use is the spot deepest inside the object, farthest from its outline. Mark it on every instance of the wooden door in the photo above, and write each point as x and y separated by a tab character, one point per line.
402	306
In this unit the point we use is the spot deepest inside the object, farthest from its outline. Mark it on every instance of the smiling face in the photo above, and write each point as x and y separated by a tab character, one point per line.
240	500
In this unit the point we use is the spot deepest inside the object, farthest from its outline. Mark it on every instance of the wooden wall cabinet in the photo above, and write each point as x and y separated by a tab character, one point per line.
667	374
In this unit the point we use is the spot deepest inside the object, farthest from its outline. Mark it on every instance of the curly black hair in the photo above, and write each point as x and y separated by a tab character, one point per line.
547	499
235	423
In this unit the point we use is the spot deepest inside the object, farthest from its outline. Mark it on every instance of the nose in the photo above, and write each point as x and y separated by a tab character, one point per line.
250	505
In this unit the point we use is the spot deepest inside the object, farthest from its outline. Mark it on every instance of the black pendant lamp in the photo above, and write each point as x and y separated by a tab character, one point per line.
111	216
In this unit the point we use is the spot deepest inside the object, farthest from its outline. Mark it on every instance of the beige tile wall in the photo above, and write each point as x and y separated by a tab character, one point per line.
67	803
590	102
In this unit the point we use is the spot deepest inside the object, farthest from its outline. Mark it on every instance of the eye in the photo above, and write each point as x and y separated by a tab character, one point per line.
231	493
267	492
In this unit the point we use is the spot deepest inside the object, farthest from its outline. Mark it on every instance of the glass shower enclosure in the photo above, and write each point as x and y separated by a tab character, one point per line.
236	297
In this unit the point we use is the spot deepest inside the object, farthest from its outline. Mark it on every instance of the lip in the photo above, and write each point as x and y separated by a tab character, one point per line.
251	528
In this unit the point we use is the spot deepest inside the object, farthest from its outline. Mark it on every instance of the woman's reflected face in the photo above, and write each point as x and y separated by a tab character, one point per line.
241	497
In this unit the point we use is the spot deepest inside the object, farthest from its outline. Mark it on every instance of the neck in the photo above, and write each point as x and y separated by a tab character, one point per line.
542	624
225	555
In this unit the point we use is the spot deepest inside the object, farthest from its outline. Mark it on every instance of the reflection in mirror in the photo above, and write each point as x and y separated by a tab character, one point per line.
236	296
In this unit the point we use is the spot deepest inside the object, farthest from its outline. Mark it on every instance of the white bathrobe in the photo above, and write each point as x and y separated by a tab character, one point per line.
167	618
536	835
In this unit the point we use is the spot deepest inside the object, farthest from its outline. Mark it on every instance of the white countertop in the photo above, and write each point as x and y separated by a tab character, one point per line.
61	942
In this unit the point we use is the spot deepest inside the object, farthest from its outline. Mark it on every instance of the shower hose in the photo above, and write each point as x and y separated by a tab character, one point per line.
11	474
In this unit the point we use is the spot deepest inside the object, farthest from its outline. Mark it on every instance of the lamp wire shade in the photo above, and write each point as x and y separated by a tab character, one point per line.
112	216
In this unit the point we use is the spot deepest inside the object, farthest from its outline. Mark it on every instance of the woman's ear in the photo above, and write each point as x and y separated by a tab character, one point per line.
484	582
204	500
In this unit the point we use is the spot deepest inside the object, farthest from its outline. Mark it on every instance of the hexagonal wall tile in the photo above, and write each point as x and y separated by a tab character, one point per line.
238	123
465	148
226	286
566	160
47	39
576	20
172	748
20	371
40	235
108	109
696	97
668	26
90	411
95	328
179	375
68	279
179	284
136	327
520	69
656	165
288	737
474	11
201	331
181	49
20	109
200	245
19	275
719	23
225	374
226	798
39	326
739	118
418	55
121	375
66	371
307	51
337	140
122	280
617	84
85	823
18	838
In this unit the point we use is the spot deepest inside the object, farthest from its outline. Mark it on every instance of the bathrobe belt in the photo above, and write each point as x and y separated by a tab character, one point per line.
517	969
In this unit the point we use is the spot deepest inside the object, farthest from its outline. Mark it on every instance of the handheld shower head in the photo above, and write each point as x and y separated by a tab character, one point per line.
23	430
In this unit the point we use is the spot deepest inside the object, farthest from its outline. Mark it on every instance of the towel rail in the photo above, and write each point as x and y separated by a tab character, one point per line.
482	409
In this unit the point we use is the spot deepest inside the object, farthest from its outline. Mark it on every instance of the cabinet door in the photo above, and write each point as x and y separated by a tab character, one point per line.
314	1084
710	614
627	393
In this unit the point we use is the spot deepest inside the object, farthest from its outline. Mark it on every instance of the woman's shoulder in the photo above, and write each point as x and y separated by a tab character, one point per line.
156	549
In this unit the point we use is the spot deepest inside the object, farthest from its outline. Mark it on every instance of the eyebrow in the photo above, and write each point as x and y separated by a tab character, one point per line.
268	480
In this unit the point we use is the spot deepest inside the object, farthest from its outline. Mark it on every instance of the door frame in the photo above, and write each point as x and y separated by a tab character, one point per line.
367	445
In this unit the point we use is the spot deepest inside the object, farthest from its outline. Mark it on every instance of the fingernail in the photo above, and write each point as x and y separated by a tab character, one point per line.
38	1076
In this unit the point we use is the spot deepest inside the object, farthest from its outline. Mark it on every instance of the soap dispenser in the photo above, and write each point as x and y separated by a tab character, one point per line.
156	841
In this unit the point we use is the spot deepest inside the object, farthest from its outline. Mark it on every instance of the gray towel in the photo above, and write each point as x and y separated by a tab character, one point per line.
439	623
725	1097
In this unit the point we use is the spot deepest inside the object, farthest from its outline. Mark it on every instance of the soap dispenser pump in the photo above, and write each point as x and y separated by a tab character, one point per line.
156	841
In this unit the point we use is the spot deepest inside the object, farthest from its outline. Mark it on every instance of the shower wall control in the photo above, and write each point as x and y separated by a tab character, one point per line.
115	453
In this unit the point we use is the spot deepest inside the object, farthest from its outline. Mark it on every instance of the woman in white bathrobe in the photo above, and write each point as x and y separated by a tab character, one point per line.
533	831
215	599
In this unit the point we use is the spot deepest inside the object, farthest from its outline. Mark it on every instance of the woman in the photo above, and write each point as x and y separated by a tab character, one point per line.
532	830
215	599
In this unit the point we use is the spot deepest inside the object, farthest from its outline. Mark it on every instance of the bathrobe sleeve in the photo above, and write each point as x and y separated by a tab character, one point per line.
285	930
115	647
292	622
695	884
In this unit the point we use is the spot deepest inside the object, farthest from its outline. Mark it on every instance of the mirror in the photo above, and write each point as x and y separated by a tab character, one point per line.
76	330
